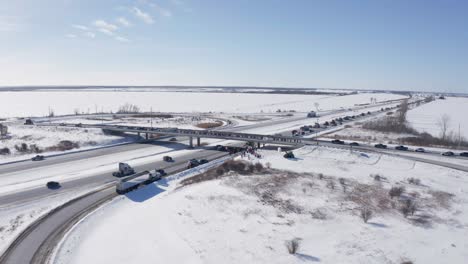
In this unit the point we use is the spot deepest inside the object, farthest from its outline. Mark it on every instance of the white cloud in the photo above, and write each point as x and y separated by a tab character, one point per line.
106	31
70	36
162	11
121	39
124	22
101	24
80	27
89	34
9	24
145	17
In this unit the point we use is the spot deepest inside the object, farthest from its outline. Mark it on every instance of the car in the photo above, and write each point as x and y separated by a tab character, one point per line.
220	148
448	154
192	163
53	185
337	141
402	148
161	171
354	144
464	154
381	146
38	158
203	161
420	150
173	139
168	158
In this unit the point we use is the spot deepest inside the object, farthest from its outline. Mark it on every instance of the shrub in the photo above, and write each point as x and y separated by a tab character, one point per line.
408	207
289	155
396	191
5	151
414	181
258	167
293	245
320	175
366	214
377	177
23	147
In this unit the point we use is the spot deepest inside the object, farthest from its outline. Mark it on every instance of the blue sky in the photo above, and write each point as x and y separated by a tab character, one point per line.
387	44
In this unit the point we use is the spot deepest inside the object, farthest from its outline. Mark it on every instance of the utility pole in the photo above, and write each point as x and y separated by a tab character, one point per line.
151	117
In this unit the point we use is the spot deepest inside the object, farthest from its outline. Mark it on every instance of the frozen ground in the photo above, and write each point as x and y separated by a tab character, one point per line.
48	139
248	219
425	118
14	104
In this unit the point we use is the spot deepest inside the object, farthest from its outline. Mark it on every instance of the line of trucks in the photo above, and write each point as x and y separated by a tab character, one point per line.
131	180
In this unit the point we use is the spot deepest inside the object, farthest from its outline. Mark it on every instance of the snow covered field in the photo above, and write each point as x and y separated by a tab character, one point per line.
23	104
248	219
47	140
425	118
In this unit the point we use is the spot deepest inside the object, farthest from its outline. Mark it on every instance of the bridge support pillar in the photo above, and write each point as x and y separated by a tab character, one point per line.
138	134
258	144
191	142
198	141
146	136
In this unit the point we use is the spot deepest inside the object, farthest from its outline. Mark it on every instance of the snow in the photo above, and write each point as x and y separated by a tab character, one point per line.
49	137
425	118
15	218
16	104
226	221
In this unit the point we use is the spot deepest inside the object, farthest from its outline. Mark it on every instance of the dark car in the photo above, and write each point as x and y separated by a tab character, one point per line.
381	146
464	154
337	141
420	150
203	161
162	172
173	139
38	158
448	154
192	163
402	148
354	144
220	148
168	158
53	185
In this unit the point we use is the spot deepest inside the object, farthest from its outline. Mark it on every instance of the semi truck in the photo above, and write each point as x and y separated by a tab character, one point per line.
124	170
134	181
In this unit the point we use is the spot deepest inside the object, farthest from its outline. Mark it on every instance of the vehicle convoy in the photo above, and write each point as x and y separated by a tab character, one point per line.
134	181
124	170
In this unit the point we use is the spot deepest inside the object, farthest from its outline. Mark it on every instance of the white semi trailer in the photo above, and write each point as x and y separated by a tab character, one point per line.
132	182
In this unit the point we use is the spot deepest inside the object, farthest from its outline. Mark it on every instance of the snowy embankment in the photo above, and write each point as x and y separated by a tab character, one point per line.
15	218
24	104
317	198
426	118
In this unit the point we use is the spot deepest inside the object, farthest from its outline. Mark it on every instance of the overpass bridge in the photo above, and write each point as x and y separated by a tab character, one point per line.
197	134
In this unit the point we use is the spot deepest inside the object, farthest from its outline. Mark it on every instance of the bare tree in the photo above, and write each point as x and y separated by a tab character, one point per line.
443	123
401	115
316	104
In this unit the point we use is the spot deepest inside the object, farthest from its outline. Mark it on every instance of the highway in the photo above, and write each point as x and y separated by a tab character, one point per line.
34	245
